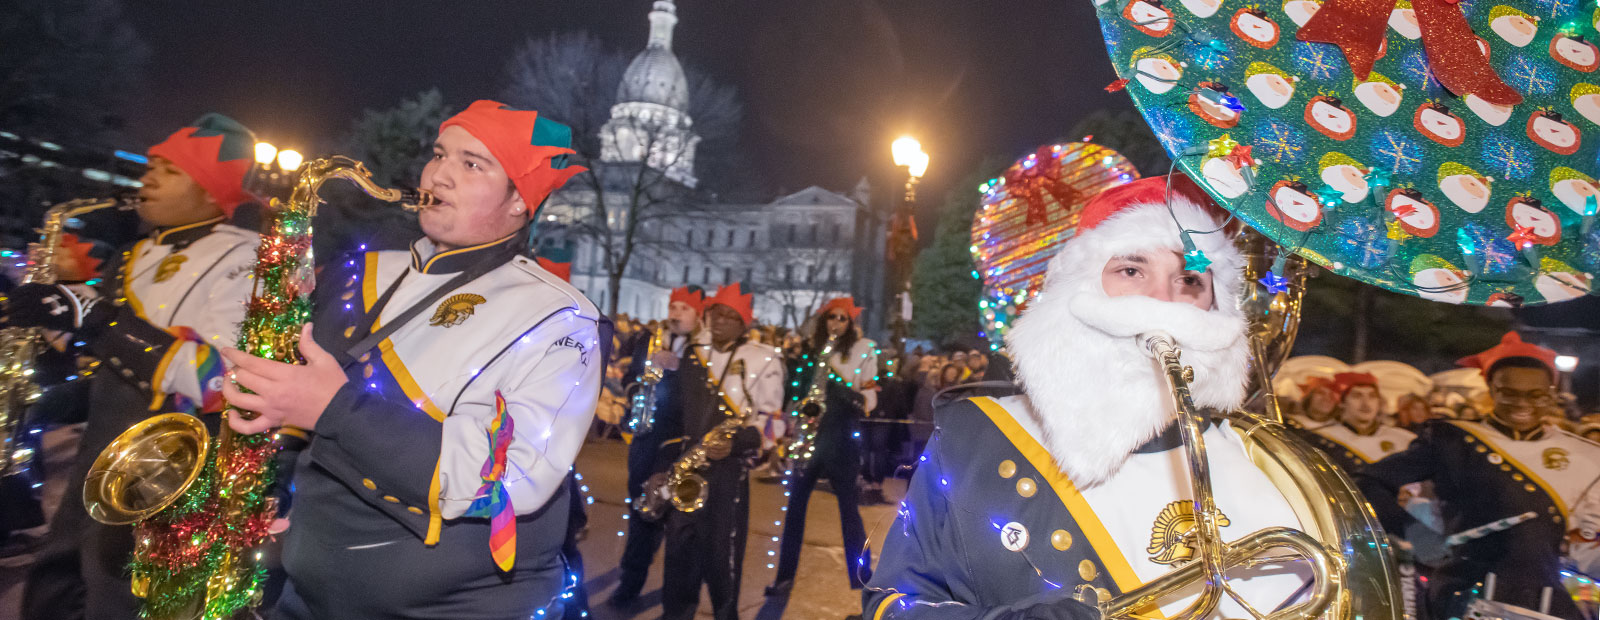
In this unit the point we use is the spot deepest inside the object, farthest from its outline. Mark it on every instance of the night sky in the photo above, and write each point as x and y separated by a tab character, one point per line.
827	84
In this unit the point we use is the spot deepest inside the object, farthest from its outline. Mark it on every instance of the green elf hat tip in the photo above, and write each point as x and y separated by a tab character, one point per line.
1563	173
1424	262
1335	158
215	151
1258	68
1502	10
1449	169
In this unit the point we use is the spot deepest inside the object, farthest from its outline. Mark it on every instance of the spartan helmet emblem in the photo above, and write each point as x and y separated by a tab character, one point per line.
455	309
1169	535
170	266
1556	458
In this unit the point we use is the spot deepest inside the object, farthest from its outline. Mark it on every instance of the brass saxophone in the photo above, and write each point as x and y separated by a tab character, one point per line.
683	486
20	346
157	462
642	394
809	411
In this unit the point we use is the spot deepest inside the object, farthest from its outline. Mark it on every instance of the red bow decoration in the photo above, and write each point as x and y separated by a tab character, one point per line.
1031	183
1241	157
1358	27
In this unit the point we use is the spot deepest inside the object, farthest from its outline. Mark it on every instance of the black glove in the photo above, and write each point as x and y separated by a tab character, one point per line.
50	306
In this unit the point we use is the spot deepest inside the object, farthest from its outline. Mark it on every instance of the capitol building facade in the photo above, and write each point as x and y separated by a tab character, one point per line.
793	252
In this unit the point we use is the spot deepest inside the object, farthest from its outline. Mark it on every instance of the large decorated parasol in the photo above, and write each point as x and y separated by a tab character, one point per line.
1027	213
1384	139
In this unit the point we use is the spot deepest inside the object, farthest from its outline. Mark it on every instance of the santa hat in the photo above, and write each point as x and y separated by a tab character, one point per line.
217	152
559	270
691	296
846	303
531	149
1511	345
732	296
1315	382
1343	381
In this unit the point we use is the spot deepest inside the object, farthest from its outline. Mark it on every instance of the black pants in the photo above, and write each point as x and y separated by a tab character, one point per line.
577	604
707	546
838	459
82	570
879	450
644	537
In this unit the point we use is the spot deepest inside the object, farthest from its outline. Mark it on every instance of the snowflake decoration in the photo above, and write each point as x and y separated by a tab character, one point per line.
1499	256
1415	68
1532	78
1318	61
1396	152
1362	242
1171	129
1279	141
1507	158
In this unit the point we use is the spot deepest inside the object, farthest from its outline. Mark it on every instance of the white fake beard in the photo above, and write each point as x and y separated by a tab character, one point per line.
1095	394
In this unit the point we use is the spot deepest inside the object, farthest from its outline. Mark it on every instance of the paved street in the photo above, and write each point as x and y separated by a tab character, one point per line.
821	591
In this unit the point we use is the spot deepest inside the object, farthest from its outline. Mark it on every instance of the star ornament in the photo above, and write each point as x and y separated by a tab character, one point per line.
1396	232
1195	260
1240	156
1329	196
1221	147
1274	283
1523	237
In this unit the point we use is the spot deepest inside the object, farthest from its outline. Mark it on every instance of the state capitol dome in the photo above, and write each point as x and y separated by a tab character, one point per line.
655	76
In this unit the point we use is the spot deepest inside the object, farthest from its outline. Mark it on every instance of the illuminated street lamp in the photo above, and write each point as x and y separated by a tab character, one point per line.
902	242
289	160
265	153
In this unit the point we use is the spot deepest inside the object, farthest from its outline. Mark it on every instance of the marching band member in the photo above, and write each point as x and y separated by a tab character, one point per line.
851	391
1510	464
1081	483
1319	405
449	388
172	301
1360	437
726	376
644	536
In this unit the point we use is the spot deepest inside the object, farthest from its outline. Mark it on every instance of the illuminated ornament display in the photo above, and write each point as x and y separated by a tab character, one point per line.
1368	135
1022	224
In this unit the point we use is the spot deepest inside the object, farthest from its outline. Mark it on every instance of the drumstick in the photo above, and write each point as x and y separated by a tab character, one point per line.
1486	529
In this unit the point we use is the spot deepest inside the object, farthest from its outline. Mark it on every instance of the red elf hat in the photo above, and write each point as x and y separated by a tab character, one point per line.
1511	345
733	296
532	149
217	152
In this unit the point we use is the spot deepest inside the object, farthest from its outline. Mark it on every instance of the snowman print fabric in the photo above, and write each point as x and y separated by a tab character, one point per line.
1442	149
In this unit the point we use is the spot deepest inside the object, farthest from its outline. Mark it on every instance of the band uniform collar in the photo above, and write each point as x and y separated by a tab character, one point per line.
1358	432
1515	435
426	258
185	234
1171	437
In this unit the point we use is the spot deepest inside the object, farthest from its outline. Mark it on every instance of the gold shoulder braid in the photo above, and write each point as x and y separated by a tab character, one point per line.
455	309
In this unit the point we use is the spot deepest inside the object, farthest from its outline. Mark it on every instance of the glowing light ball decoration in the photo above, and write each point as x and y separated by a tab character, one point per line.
1027	213
1463	170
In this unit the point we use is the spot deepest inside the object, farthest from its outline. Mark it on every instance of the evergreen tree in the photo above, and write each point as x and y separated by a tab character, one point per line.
944	295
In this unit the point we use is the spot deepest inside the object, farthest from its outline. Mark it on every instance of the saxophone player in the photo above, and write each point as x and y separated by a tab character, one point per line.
171	301
644	536
850	392
1075	485
449	388
726	377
